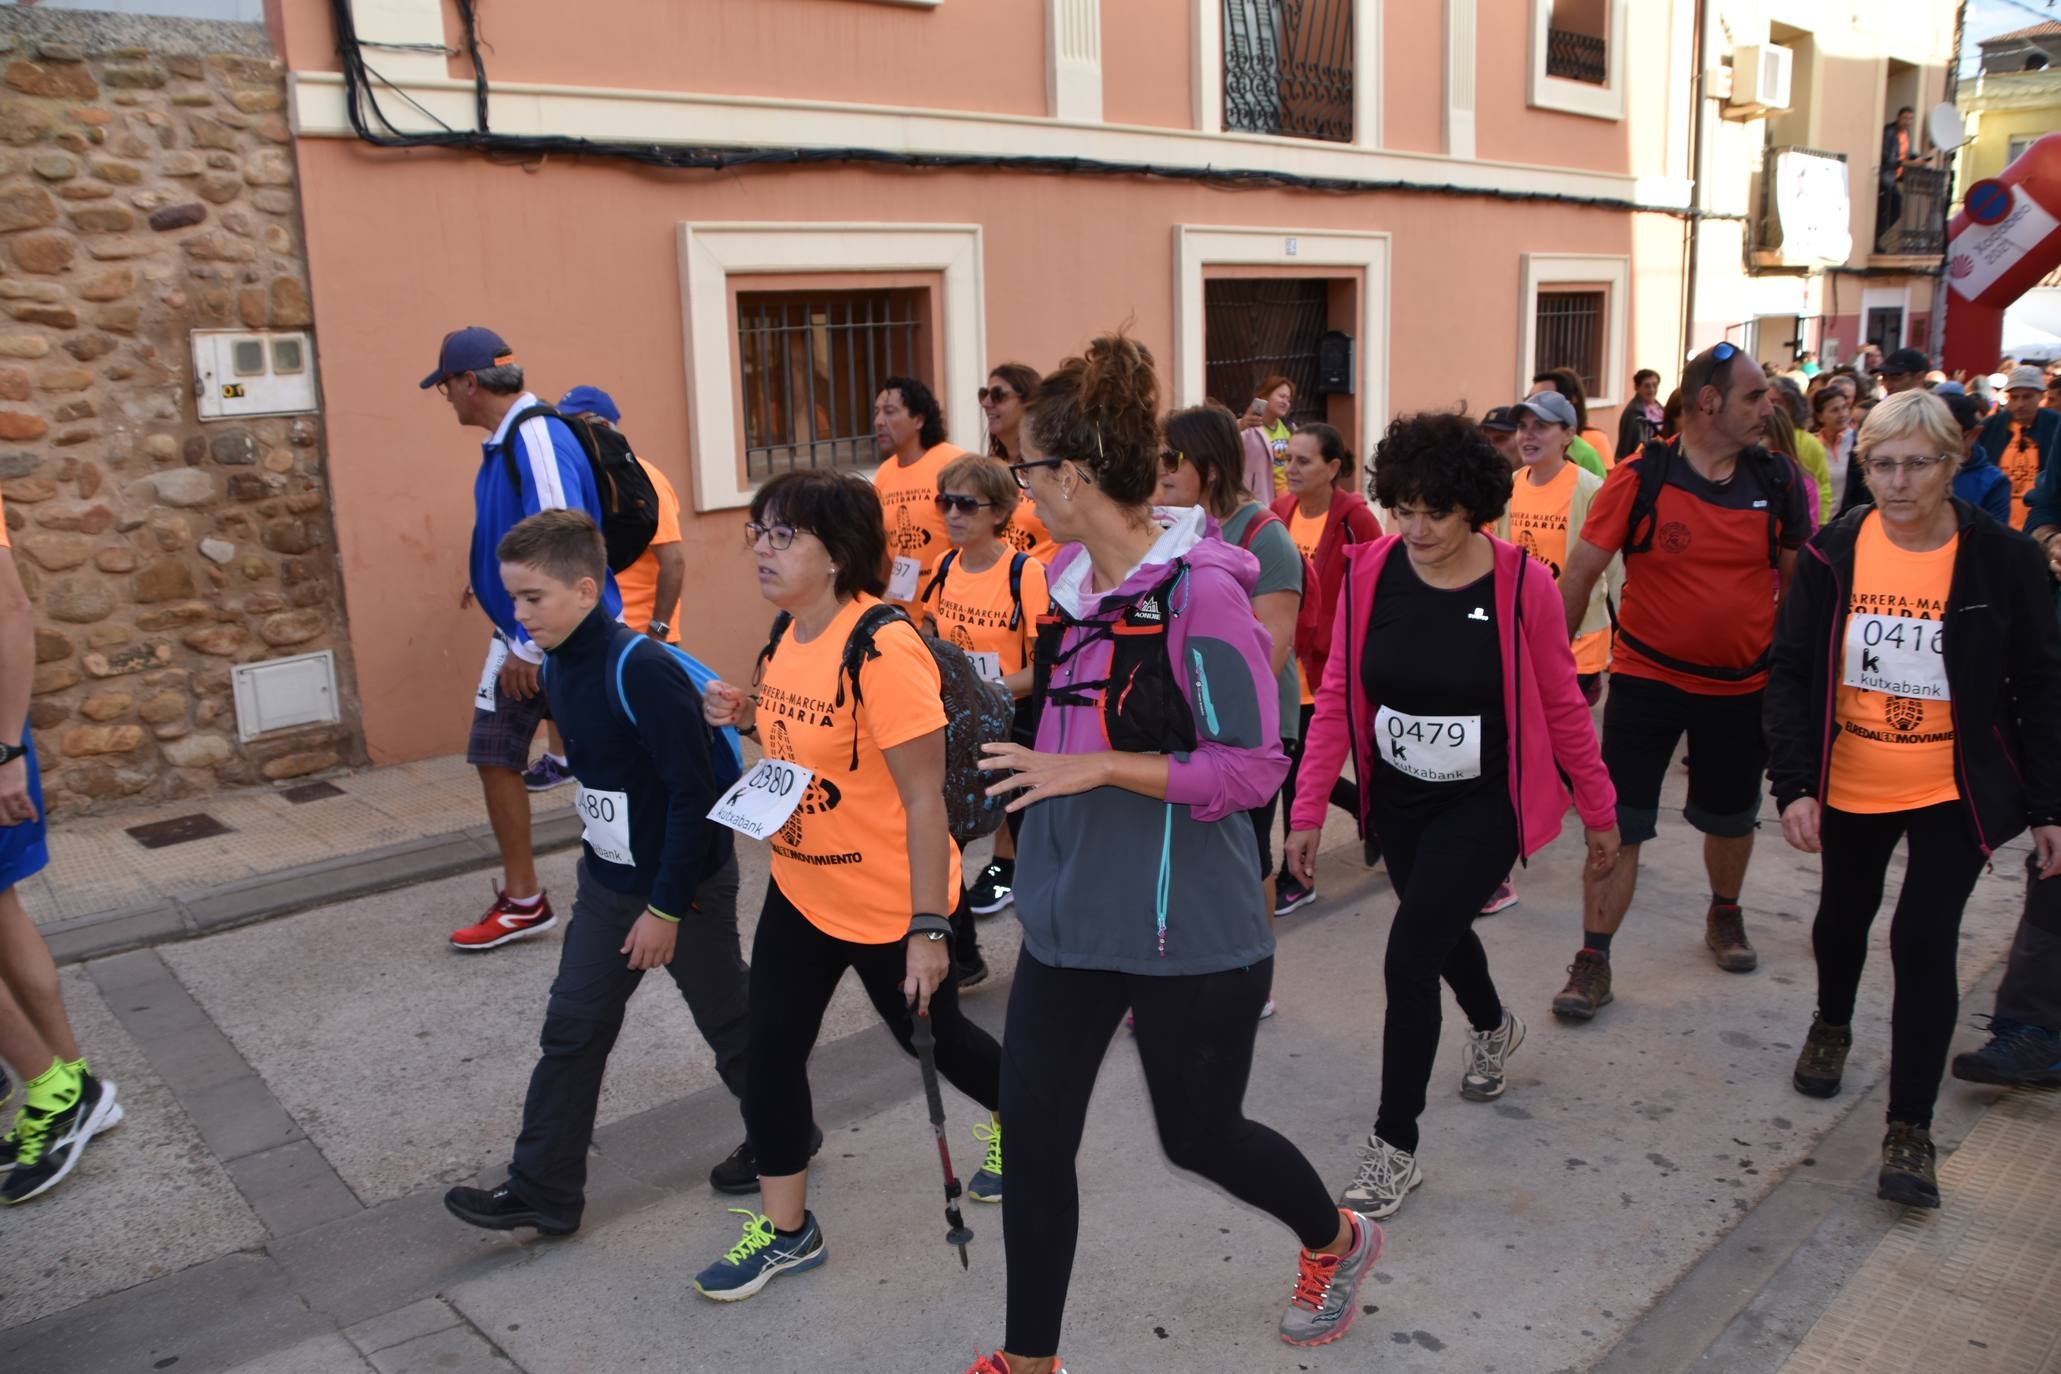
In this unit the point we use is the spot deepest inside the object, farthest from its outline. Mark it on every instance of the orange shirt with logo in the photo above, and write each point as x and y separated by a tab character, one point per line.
908	506
1027	533
1538	525
638	583
843	856
2020	461
1307	532
973	610
1893	751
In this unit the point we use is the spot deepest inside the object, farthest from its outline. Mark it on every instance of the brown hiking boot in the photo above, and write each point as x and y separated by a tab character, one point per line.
1908	1167
1822	1061
1724	931
1588	987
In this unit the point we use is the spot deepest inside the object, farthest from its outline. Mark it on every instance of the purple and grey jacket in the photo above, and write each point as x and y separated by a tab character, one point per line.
1110	879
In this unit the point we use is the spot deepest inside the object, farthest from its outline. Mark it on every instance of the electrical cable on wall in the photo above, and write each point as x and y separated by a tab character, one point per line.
372	126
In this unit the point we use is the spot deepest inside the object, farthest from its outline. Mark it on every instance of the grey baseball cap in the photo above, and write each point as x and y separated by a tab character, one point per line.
2030	377
1549	406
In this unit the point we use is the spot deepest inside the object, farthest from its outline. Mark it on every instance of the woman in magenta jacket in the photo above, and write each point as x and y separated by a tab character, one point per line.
1454	687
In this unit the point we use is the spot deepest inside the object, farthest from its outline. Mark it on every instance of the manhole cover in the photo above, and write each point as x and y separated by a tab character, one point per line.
311	791
178	830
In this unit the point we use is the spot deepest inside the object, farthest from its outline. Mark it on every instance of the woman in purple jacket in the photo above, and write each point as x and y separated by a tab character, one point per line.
1139	883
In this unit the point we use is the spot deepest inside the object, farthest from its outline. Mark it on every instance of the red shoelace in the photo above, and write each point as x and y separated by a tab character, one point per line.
1313	1276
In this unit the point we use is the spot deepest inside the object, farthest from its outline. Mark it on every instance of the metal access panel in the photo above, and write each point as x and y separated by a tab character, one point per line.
253	372
283	692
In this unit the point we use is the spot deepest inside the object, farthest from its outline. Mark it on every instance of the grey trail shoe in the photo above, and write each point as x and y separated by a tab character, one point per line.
1486	1053
1327	1286
1384	1178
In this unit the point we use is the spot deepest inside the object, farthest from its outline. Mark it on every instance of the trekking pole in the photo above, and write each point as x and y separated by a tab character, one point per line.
926	1055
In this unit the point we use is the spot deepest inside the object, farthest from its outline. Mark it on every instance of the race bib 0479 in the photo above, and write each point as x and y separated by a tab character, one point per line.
1429	748
1895	654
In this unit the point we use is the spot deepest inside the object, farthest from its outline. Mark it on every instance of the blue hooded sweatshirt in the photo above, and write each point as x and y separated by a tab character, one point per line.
551	473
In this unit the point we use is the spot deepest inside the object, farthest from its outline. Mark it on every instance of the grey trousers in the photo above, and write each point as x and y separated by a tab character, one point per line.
2031	991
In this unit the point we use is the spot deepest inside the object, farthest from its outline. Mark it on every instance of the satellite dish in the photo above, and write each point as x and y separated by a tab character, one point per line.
1945	128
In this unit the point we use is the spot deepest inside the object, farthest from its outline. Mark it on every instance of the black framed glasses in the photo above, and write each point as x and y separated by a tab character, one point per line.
1021	471
778	536
998	394
947	503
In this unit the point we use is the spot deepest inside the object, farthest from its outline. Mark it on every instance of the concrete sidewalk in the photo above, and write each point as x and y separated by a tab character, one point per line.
302	1090
280	849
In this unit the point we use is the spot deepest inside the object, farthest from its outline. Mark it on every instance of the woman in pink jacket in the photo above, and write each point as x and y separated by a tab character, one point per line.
1451	680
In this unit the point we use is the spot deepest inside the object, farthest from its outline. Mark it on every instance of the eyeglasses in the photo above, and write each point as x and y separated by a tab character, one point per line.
1889	467
777	536
967	505
1171	459
998	393
1021	471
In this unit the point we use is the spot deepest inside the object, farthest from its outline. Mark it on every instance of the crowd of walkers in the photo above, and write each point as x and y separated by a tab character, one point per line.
1132	649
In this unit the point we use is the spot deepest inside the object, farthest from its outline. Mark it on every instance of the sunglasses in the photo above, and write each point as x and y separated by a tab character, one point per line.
998	394
1725	352
1171	459
965	505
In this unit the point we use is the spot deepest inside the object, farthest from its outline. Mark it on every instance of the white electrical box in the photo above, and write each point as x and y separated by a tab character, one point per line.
253	372
283	692
1762	74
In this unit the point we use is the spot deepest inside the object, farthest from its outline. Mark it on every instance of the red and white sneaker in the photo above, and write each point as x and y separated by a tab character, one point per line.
995	1364
505	921
1504	898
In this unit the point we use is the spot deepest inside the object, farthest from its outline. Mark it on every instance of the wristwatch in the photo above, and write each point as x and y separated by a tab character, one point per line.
10	752
658	629
931	927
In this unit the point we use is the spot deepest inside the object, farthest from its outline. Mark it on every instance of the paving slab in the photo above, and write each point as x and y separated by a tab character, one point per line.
316	1355
460	1350
424	1318
146	1200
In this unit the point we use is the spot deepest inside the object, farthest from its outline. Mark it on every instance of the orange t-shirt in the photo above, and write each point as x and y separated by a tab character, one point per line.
639	582
1027	533
1307	531
843	856
972	610
1605	450
1538	525
1894	749
2020	461
908	505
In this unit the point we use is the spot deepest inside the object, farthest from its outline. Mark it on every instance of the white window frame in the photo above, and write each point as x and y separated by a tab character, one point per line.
1200	246
1614	275
711	253
1579	97
1208	74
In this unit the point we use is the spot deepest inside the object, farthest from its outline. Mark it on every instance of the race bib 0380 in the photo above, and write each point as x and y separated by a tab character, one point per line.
1895	654
1429	748
760	802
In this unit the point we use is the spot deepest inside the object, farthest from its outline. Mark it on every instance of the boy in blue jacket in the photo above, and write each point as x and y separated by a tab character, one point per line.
657	881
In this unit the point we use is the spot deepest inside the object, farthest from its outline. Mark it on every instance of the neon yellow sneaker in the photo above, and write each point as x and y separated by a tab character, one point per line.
986	1186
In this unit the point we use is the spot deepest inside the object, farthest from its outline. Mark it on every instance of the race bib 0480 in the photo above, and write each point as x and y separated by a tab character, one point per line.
1896	655
1429	748
901	578
761	801
606	818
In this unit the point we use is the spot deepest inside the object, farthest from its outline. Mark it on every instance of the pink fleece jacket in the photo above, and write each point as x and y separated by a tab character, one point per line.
1550	730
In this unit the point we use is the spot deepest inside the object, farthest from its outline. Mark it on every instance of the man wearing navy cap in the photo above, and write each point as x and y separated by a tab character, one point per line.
529	462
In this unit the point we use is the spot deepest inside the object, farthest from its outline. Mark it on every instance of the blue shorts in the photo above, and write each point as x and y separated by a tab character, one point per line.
23	852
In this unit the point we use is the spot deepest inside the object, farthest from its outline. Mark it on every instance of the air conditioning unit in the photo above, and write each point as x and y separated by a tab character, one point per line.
1762	75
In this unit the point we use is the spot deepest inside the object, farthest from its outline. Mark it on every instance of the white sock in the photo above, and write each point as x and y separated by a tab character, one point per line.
531	900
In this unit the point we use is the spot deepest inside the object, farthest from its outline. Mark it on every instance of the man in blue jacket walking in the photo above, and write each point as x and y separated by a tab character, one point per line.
537	464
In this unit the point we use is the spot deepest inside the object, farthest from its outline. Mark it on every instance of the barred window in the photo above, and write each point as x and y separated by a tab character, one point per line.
1288	68
812	362
1577	41
1567	331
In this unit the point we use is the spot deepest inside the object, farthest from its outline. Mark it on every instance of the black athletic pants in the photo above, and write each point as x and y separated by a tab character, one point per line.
1195	1037
585	1015
1344	795
1445	864
2031	991
795	968
1924	934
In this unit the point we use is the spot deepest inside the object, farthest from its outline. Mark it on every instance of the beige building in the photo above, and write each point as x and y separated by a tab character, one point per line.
2014	99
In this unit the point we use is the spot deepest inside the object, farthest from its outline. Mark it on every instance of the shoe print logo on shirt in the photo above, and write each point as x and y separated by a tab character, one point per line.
908	537
1674	537
1904	714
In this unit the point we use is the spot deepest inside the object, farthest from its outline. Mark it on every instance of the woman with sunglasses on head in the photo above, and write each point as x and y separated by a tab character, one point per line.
1012	386
864	872
1914	695
986	597
1141	887
1325	518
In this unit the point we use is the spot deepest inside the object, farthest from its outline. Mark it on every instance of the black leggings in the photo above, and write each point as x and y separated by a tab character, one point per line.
1344	795
1195	1036
1924	934
795	968
1445	865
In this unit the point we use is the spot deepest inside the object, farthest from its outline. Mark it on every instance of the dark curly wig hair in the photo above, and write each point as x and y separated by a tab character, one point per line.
1442	461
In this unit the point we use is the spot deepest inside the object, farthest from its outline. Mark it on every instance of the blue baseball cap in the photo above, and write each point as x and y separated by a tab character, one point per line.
589	400
468	350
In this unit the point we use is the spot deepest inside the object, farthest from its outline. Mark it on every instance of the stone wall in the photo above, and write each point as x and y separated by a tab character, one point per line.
145	191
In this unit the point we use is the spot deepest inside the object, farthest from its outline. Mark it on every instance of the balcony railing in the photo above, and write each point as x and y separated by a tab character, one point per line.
1288	68
1577	56
1910	213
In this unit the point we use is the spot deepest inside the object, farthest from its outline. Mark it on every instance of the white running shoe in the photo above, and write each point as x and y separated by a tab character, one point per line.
1482	1081
1384	1178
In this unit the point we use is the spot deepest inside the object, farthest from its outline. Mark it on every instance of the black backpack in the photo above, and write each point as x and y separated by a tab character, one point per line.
1140	702
977	712
629	502
1774	474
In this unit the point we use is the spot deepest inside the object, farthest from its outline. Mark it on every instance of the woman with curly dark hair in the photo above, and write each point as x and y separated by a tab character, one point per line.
1451	681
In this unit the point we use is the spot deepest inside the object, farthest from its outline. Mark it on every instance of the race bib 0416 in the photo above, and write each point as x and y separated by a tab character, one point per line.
1429	748
1895	654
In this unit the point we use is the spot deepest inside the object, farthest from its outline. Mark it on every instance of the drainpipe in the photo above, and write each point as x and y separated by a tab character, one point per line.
1693	221
1935	343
